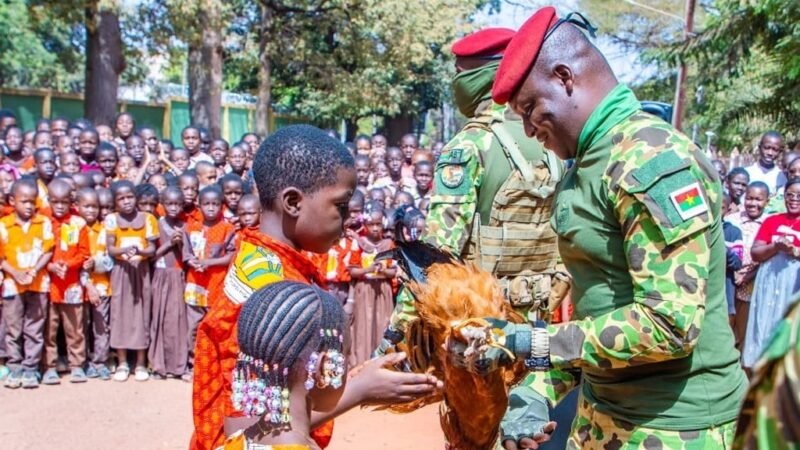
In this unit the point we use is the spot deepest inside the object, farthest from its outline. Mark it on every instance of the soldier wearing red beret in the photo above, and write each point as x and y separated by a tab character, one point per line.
639	228
493	187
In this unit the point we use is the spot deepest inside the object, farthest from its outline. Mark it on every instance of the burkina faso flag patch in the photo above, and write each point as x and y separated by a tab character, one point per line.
689	201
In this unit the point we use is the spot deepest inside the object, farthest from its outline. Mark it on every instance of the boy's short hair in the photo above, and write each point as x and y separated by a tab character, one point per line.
25	181
738	171
299	156
210	189
759	185
145	190
41	151
105	147
232	178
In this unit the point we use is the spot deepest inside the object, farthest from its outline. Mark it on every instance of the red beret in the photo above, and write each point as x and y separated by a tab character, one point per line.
521	53
486	42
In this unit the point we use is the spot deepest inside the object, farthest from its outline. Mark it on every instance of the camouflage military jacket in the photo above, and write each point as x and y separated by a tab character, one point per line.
639	224
771	409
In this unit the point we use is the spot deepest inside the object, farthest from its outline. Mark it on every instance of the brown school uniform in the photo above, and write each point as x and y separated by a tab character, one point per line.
66	295
373	304
25	306
168	328
131	298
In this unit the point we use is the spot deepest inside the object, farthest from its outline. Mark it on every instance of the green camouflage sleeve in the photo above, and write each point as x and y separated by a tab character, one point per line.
456	181
771	408
553	385
668	262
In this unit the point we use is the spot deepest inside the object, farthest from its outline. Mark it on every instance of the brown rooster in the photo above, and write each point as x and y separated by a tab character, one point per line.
473	405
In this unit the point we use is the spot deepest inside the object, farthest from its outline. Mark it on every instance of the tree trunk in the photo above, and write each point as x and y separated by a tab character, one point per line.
264	94
104	64
396	127
205	77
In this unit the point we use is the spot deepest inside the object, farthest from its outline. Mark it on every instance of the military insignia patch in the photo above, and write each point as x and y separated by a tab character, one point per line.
452	175
689	201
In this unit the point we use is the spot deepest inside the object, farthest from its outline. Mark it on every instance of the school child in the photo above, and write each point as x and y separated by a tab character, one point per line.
15	150
150	139
189	185
275	251
159	181
168	327
178	161
362	173
206	173
237	160
96	280
232	192
289	327
131	237
107	159
106	133
126	169
106	199
70	251
69	163
26	246
45	161
192	143
249	212
423	176
123	127
208	253
88	144
147	198
219	153
135	148
372	290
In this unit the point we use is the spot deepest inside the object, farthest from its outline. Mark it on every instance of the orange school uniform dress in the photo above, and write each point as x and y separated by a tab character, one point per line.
206	242
259	261
21	245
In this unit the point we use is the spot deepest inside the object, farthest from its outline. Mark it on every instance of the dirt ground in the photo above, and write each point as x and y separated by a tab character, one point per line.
157	415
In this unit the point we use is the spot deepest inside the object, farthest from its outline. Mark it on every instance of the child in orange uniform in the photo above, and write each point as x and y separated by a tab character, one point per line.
26	246
189	185
208	252
71	250
168	327
131	236
95	275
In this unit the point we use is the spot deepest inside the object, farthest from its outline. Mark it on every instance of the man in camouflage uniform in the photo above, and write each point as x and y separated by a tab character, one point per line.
474	170
770	414
638	219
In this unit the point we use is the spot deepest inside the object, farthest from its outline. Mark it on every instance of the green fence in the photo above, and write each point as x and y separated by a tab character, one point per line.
167	118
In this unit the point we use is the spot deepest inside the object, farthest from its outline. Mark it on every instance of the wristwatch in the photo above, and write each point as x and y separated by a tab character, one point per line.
539	359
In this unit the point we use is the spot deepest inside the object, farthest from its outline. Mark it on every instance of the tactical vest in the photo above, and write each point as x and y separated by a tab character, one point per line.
517	243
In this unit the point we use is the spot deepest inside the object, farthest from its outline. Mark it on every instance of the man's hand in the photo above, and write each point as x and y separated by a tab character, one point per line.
487	347
526	423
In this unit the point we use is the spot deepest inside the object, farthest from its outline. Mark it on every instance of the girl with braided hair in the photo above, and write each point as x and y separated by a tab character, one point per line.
291	361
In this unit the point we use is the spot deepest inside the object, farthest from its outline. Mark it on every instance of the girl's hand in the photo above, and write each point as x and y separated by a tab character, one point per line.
88	265
130	252
177	239
378	385
21	277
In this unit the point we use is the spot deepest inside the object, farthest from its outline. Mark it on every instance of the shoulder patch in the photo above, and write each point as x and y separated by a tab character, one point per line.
689	201
253	268
450	178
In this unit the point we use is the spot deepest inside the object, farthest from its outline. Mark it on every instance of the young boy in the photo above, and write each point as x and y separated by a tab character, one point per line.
107	159
408	144
362	173
248	211
26	246
423	175
208	250
192	143
188	184
303	210
206	173
237	160
71	250
147	198
45	161
219	153
232	192
106	200
88	142
95	275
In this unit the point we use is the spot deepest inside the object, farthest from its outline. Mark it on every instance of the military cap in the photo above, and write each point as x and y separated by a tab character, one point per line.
486	42
521	53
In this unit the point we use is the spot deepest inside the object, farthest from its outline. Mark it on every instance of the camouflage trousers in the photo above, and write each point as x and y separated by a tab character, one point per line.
593	430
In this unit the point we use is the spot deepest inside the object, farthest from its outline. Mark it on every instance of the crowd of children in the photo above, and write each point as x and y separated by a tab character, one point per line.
111	237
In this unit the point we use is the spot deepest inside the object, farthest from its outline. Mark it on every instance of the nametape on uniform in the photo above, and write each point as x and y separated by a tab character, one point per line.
689	201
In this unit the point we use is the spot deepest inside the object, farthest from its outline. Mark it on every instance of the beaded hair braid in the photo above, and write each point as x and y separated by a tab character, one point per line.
277	325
